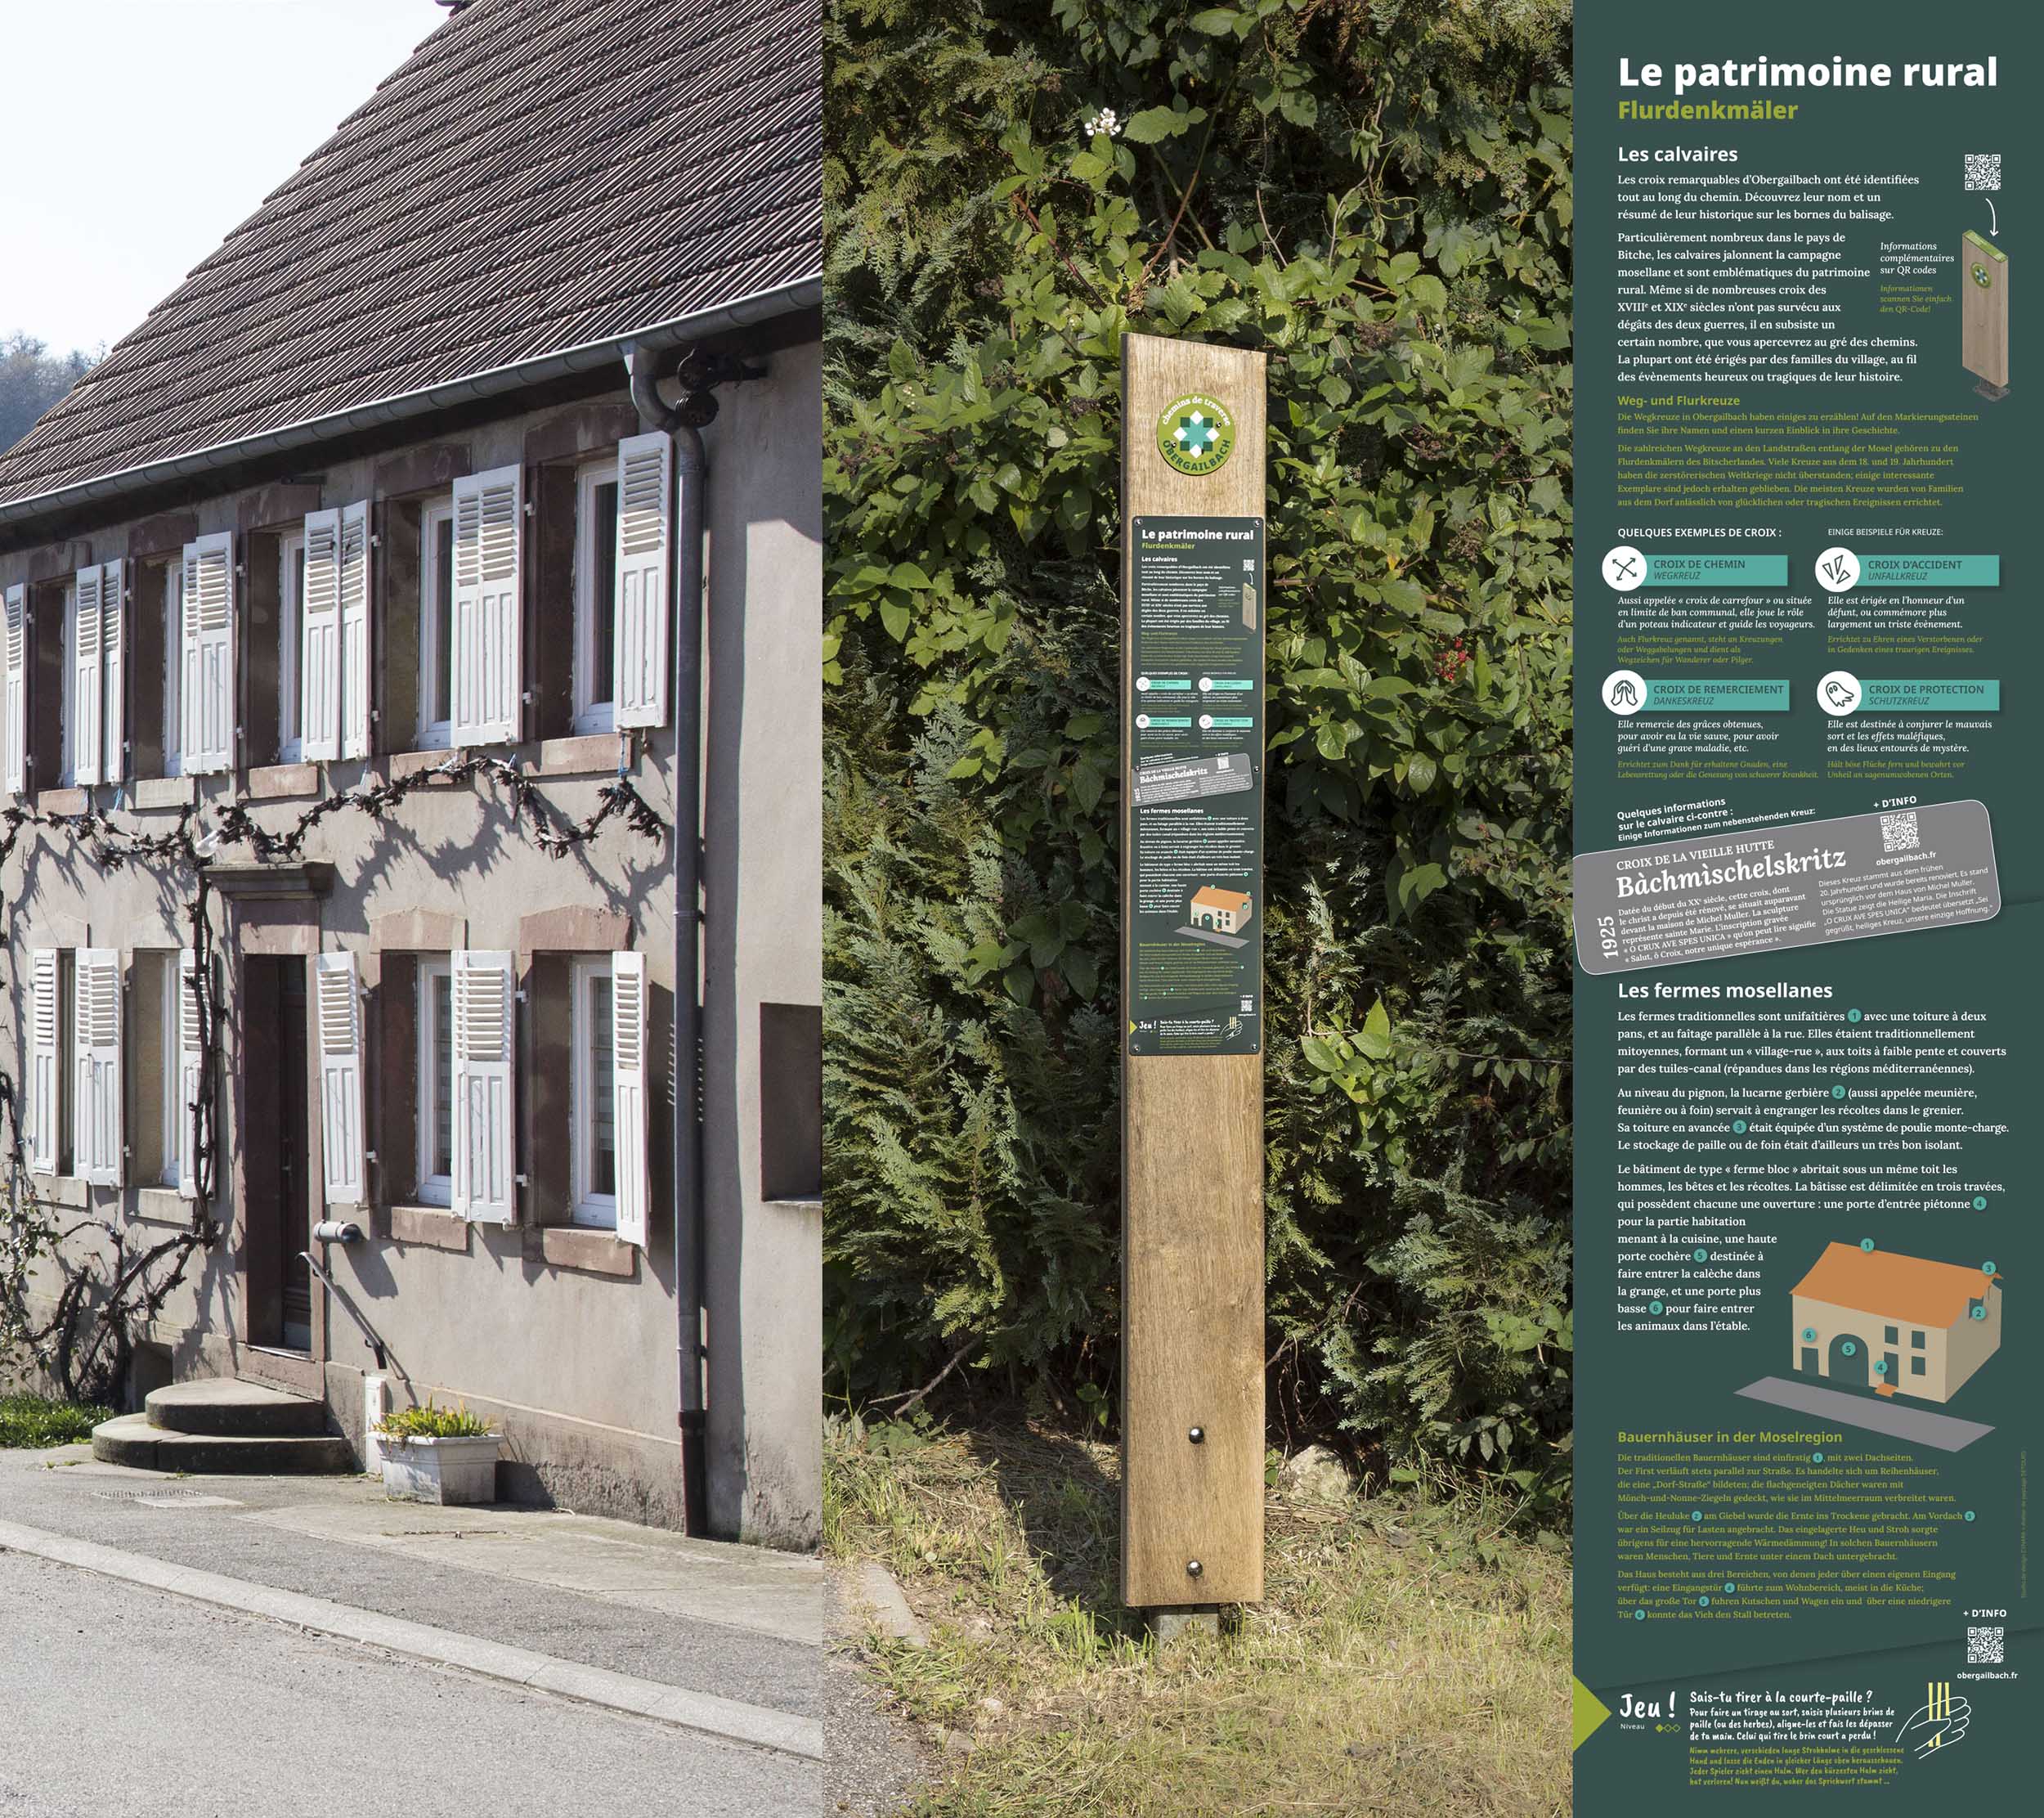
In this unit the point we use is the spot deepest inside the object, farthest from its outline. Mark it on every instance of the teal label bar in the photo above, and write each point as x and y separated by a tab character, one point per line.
1711	694
1897	696
1930	571
1699	569
1242	720
1228	685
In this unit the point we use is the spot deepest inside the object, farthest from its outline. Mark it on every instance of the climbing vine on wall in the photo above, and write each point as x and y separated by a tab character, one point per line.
106	1289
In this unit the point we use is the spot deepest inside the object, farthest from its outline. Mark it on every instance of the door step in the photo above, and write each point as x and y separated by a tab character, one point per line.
224	1425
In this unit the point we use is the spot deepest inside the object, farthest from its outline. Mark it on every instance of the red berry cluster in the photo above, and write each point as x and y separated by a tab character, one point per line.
1453	660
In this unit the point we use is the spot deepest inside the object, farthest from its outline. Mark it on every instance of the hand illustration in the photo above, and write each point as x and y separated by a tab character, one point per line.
1929	1730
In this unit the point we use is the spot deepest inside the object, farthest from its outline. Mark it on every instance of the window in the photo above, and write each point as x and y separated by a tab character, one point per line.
595	595
1916	1366
436	626
290	632
436	1110
791	1102
156	1139
173	664
66	1106
593	1095
67	772
1889	1336
1916	1340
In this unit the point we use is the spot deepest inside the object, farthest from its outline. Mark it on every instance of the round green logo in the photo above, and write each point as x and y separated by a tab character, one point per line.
1196	433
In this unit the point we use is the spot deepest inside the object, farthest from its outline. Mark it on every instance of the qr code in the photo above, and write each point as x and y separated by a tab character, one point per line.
1985	1646
1984	170
1898	833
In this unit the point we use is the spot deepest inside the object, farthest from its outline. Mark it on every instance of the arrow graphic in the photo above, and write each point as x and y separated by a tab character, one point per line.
1996	224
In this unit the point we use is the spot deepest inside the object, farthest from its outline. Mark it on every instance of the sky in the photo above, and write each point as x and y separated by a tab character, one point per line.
141	133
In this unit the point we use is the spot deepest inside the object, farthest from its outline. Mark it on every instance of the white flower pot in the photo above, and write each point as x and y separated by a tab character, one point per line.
440	1470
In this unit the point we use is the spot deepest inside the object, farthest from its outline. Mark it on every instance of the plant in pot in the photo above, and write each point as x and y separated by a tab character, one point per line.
442	1455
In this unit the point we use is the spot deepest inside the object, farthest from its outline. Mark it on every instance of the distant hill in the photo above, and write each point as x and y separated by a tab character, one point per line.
32	379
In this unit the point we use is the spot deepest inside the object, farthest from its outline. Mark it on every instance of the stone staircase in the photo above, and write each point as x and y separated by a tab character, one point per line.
224	1425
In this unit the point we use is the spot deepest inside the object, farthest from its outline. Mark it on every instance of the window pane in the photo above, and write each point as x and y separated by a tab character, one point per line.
603	1113
443	1023
440	683
603	604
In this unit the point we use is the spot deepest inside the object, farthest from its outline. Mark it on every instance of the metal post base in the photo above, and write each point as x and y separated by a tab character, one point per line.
1167	1625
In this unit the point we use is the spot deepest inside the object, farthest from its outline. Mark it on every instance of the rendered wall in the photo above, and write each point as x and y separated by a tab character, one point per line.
527	1322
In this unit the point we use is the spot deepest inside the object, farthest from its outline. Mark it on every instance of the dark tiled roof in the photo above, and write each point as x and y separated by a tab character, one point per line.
541	175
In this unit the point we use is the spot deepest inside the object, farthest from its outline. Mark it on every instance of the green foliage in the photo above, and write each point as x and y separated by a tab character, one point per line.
1378	196
33	1422
32	379
433	1422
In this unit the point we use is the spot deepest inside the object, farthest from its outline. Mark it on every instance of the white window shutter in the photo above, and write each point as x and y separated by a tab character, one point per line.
627	1076
320	640
88	689
95	1024
43	1100
355	598
191	1058
14	691
484	1026
488	667
207	699
340	1019
113	642
645	559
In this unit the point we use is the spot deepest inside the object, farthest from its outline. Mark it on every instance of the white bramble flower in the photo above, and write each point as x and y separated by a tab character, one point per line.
1107	121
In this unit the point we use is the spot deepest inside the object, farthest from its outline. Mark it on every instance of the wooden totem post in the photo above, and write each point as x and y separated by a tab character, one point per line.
1192	985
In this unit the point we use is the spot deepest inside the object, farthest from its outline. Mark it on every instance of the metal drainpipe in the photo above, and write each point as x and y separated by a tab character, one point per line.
692	467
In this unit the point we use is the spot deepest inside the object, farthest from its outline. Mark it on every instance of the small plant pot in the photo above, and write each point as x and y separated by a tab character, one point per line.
443	1471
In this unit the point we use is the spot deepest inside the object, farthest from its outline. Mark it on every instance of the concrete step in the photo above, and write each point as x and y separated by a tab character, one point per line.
228	1407
133	1440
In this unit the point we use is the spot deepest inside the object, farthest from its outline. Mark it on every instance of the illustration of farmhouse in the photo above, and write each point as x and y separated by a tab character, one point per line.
1895	1324
1225	911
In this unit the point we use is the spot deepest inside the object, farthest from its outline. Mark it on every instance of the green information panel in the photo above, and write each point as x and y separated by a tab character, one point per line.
1195	719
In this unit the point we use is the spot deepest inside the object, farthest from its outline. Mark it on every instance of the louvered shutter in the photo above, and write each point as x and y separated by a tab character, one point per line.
89	678
191	1056
207	697
355	597
484	1157
645	559
488	666
628	1078
43	1099
96	1116
113	650
340	1019
320	641
14	690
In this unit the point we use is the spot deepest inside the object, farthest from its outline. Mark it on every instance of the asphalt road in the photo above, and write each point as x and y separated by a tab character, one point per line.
119	1701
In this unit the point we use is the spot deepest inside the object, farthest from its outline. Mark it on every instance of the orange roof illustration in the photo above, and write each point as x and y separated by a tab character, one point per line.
1213	895
1895	1286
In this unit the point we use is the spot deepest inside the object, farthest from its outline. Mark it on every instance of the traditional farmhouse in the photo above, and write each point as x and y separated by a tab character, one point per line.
375	615
1225	911
1898	1324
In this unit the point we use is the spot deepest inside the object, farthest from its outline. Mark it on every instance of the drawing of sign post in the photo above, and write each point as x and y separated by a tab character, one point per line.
1192	978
